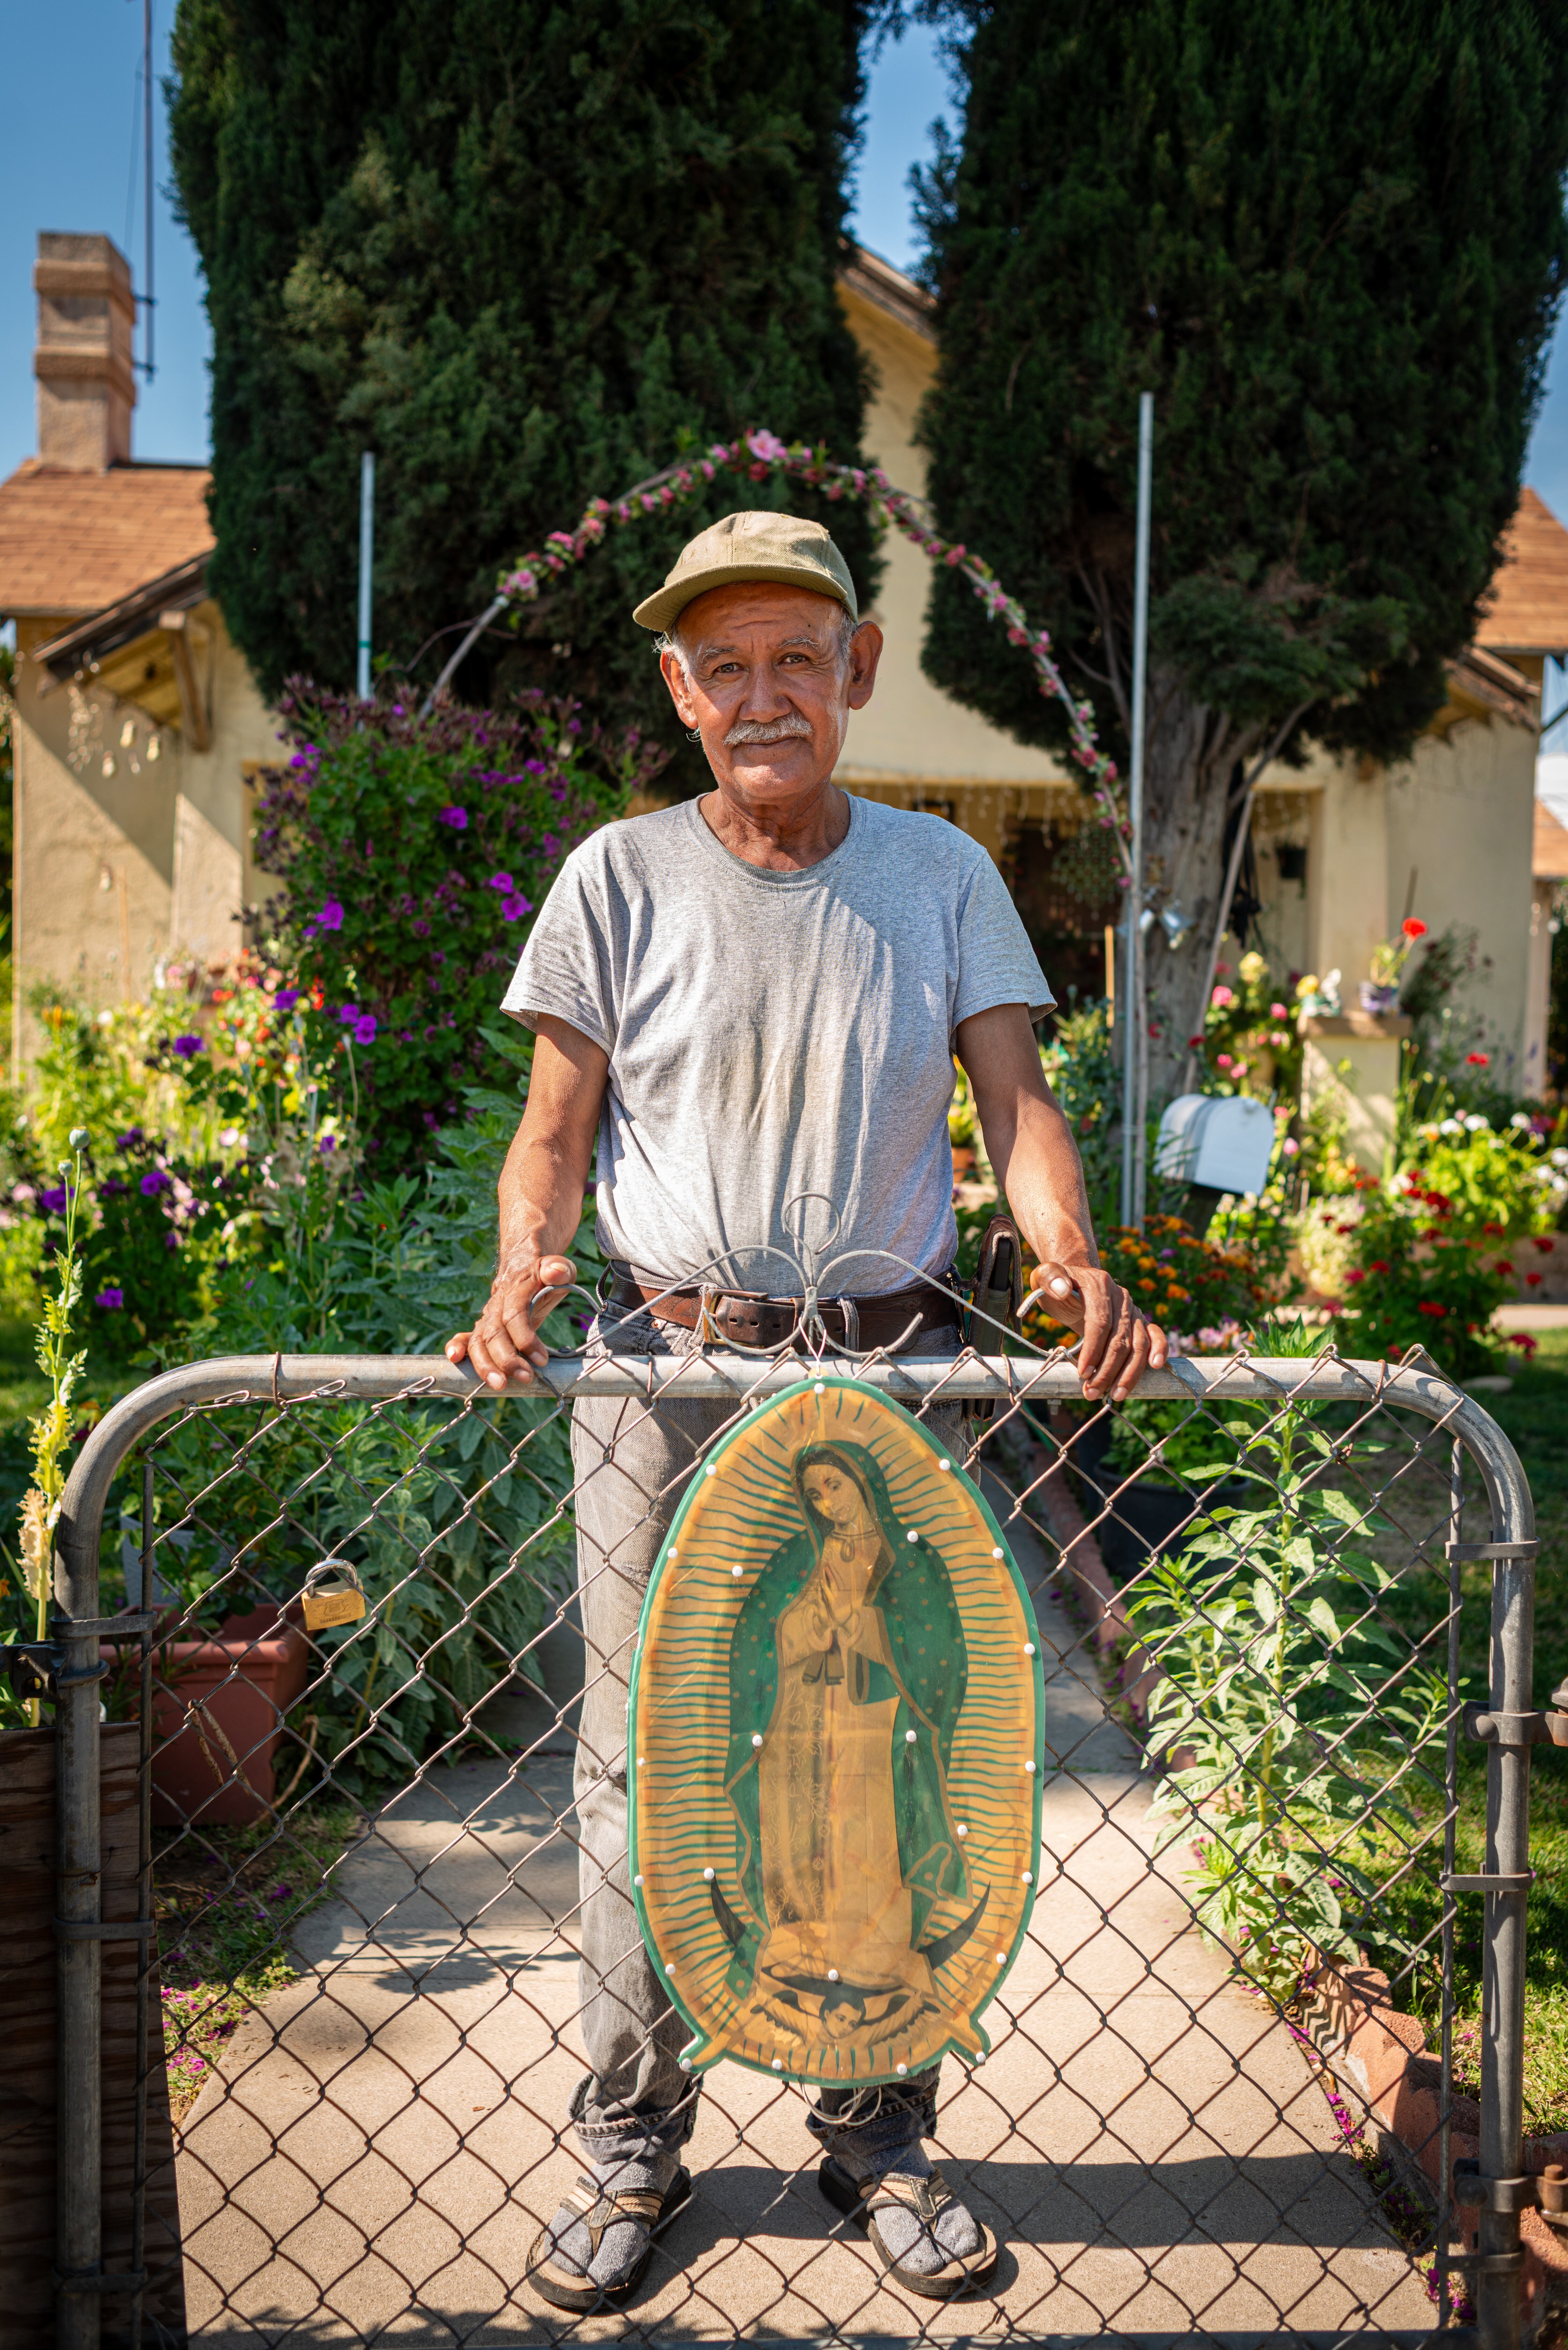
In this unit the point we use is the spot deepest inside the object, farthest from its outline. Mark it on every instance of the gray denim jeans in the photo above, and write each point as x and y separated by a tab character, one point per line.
632	1462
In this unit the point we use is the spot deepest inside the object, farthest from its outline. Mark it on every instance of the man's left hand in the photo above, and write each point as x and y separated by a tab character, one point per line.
1119	1344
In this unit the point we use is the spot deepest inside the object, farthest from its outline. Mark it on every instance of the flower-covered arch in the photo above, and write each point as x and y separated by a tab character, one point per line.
755	456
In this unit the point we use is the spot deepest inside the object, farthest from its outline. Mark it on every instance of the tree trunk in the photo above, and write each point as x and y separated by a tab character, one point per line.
1194	761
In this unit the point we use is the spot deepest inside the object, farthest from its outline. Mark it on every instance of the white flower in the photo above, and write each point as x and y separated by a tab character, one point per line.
1518	1118
1450	1126
229	1135
1474	1124
1558	1158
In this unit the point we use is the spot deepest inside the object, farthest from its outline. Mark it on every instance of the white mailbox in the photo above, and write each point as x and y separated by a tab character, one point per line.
1224	1142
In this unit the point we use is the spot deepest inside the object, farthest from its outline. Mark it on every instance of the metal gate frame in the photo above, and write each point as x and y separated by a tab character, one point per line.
1501	2190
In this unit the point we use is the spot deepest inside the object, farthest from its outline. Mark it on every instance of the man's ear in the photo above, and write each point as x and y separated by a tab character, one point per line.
675	678
864	653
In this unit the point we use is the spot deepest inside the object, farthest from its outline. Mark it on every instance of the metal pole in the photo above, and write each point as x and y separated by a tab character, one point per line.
1444	2230
367	552
148	369
1497	2293
1135	1040
78	2199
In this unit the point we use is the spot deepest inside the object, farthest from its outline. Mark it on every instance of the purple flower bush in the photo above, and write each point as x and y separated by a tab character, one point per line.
410	853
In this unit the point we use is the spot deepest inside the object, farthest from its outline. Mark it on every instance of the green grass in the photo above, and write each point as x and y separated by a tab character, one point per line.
1535	1416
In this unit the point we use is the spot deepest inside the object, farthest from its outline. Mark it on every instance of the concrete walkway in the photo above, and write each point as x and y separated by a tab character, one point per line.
1148	2144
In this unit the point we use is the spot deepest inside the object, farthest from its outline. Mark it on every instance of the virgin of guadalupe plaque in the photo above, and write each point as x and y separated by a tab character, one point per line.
836	1747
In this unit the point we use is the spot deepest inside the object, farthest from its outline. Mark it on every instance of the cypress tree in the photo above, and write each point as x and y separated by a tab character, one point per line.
1329	236
528	253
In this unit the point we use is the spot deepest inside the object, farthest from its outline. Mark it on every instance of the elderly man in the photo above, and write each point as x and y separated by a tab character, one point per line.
742	999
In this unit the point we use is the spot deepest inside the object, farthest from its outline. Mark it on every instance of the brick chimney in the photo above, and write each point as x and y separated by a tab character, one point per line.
86	387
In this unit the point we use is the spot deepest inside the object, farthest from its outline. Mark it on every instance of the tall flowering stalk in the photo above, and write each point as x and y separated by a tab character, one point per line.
757	454
51	1429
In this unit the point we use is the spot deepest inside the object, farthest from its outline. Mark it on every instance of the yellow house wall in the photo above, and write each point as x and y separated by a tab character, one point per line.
1458	816
88	845
1462	818
909	729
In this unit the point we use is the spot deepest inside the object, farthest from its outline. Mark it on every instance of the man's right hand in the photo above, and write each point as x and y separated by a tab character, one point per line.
505	1339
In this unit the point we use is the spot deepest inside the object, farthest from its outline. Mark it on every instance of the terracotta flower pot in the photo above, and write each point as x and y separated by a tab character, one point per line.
218	1712
963	1162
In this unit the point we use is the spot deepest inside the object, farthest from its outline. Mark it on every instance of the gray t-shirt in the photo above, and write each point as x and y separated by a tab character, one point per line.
775	1033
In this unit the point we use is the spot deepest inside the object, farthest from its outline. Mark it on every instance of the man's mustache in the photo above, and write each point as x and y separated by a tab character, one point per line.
767	730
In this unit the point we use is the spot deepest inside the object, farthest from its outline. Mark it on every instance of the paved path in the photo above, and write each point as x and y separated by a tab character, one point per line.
1148	2143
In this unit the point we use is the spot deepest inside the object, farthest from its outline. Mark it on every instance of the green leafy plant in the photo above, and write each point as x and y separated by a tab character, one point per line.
1293	1714
1203	1293
1249	1041
1081	1071
413	854
51	1430
466	1551
1416	1282
1501	1182
1390	956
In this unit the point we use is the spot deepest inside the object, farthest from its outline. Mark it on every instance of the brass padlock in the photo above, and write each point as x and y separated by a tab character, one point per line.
327	1603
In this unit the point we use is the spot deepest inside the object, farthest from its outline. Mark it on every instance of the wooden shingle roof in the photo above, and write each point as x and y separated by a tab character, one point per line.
73	542
1527	609
1550	862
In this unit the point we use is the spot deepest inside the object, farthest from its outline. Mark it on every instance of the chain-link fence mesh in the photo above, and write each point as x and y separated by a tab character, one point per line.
386	1907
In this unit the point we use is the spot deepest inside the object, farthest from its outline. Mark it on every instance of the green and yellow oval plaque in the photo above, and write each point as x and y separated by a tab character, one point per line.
836	1747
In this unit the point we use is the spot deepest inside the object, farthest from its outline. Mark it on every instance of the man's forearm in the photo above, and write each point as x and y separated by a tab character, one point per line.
541	1199
1040	1177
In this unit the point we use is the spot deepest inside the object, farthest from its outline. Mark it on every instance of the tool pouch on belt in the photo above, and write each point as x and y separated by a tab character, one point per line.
997	1297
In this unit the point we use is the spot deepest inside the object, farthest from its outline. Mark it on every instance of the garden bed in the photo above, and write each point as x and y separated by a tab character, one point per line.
228	1901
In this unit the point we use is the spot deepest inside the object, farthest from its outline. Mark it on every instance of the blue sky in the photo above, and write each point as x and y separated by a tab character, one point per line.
66	163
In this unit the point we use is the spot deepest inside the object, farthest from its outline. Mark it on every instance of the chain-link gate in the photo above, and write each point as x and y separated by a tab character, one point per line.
366	1844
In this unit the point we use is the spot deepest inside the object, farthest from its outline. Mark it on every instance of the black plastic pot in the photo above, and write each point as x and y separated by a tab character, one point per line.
1145	1518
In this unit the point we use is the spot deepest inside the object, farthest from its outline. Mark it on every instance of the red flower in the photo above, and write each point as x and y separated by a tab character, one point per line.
1535	1279
1379	1265
1196	1044
1499	1229
1355	1276
1522	1340
1544	1246
1428	1306
1502	1266
1479	1060
1413	927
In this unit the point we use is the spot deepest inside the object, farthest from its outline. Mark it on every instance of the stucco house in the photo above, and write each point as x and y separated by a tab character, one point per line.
1345	849
137	719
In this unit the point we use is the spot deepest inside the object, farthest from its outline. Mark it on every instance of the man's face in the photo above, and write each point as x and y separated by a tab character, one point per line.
771	686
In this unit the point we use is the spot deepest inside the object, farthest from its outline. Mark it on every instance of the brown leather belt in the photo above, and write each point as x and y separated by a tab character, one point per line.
862	1324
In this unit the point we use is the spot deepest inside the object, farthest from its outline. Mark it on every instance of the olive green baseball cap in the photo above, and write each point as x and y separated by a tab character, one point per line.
755	545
